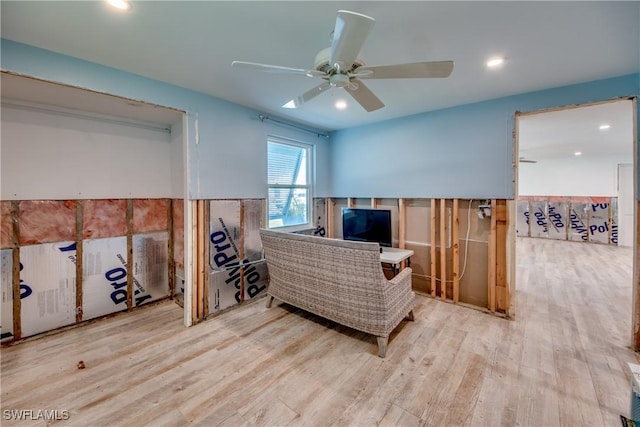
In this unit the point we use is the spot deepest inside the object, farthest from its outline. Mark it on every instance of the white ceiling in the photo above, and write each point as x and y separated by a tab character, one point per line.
559	134
192	44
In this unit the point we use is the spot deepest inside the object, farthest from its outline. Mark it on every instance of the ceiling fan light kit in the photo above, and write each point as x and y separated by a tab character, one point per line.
341	67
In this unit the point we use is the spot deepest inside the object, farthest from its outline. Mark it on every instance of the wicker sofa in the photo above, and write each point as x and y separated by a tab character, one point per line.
339	280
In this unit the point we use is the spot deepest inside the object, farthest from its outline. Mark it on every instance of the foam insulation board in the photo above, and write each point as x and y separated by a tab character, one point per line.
104	218
224	244
150	267
522	217
578	221
104	276
48	294
538	221
6	287
150	215
6	225
47	221
599	227
614	221
255	275
557	216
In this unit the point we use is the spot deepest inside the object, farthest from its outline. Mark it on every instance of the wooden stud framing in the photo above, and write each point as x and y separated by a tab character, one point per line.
170	250
15	253
434	242
491	279
195	264
79	257
328	207
200	260
500	212
130	254
205	232
374	203
455	245
351	202
402	223
635	286
443	249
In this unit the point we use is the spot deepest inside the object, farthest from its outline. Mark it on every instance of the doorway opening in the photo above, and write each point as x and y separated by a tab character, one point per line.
575	214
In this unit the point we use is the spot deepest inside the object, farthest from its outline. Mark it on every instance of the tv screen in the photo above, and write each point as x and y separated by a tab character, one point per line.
367	225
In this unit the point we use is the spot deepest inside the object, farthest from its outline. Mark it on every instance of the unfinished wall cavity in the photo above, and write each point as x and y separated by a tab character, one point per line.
579	219
460	251
64	262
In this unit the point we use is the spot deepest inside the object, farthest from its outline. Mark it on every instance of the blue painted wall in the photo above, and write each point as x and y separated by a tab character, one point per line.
229	158
461	152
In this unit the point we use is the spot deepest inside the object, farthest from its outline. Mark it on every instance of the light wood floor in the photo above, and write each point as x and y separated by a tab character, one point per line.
562	361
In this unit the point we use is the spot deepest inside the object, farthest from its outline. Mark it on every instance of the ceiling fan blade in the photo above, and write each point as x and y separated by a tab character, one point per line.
364	96
349	35
275	69
416	70
308	95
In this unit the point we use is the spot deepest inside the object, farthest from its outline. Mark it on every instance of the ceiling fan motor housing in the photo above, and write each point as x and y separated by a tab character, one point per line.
322	63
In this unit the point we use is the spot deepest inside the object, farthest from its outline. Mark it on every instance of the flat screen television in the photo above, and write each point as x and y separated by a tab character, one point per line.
367	225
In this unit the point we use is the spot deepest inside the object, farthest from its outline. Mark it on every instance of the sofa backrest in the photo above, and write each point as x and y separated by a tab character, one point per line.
346	272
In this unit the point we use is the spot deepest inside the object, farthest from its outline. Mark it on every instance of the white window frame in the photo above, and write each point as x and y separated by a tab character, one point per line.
310	162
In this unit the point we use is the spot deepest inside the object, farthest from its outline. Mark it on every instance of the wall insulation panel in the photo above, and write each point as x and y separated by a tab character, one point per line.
6	225
614	221
150	215
104	276
224	251
6	287
578	220
599	228
522	217
538	223
47	221
255	276
150	267
557	216
48	294
104	218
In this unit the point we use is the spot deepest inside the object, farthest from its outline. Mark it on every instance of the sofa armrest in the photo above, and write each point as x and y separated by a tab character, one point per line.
403	278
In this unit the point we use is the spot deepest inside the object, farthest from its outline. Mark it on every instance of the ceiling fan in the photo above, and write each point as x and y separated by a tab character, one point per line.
340	66
525	160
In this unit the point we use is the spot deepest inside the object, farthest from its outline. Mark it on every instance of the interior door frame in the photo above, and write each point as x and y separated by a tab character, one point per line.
635	321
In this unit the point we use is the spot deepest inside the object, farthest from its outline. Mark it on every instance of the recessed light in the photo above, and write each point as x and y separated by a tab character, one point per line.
604	127
495	62
290	104
578	153
341	105
120	4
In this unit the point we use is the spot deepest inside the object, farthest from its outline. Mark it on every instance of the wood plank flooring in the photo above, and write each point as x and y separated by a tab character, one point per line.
561	361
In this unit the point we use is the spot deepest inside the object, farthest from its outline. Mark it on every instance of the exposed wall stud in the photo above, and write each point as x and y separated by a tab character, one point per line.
443	249
455	245
434	243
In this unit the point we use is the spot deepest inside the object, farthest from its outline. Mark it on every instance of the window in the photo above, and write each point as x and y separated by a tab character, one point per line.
289	181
